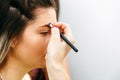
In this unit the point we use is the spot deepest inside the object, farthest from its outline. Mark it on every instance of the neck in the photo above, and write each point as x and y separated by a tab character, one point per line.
12	70
12	74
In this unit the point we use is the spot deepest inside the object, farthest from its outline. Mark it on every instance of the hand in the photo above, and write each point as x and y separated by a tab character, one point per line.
57	48
56	52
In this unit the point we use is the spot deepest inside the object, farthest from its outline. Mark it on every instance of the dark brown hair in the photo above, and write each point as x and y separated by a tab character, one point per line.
14	14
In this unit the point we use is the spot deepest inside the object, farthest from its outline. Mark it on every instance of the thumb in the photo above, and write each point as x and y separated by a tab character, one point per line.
55	34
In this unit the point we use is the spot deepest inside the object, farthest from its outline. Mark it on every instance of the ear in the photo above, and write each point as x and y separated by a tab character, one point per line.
14	42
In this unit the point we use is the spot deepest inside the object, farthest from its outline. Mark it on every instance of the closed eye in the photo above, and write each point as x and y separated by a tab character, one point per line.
44	33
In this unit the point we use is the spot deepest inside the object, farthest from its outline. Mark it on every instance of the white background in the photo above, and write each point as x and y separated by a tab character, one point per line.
96	28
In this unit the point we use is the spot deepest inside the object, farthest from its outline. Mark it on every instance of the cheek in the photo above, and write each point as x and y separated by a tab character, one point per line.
36	46
32	49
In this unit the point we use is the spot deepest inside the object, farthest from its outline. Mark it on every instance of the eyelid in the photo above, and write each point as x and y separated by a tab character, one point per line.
45	32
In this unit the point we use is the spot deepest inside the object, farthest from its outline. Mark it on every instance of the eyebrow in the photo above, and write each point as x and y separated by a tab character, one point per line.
45	25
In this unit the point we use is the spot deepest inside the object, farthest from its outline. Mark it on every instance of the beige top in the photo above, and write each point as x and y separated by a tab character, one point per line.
27	77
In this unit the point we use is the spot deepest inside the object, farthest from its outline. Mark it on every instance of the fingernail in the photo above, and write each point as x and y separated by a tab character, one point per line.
53	25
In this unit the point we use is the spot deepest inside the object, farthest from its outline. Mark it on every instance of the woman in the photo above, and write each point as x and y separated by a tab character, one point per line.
26	42
41	74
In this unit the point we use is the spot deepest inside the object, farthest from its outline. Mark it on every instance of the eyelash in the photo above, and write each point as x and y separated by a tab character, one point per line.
44	33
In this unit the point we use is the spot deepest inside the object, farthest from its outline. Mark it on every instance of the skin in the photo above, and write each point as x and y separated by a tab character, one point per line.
38	47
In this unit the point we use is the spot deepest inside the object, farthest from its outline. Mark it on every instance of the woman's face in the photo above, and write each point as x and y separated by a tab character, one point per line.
32	44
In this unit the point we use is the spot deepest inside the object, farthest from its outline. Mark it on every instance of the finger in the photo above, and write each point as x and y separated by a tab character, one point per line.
65	30
53	42
60	25
55	34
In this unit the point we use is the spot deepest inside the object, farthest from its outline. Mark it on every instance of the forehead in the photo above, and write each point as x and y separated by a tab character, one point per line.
42	10
43	16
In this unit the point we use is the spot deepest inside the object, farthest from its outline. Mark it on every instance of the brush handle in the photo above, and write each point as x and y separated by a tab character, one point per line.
65	39
68	42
